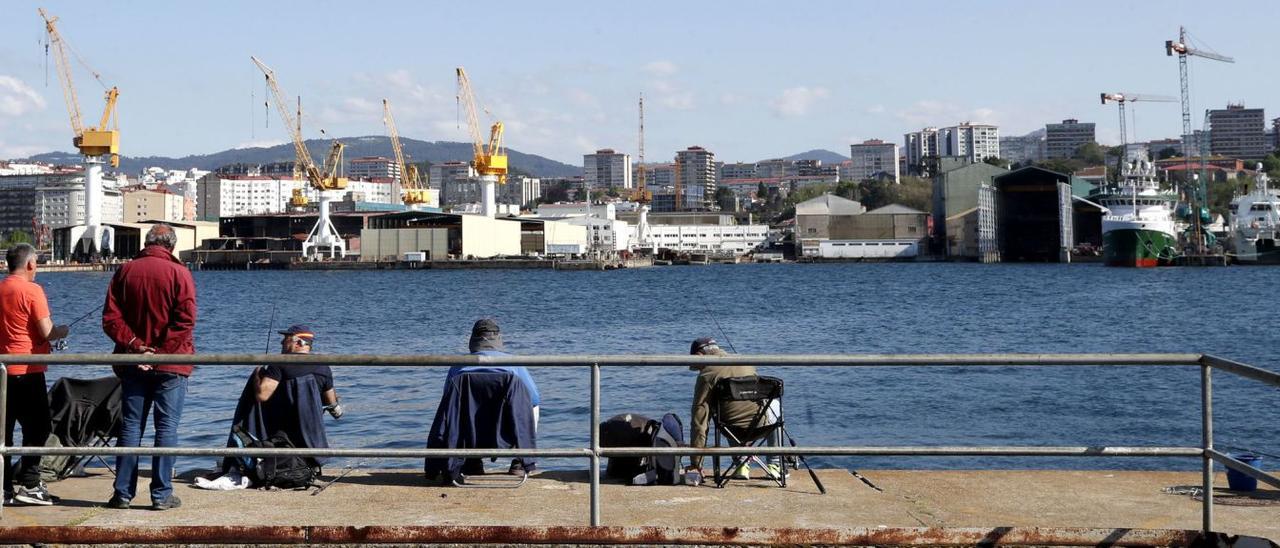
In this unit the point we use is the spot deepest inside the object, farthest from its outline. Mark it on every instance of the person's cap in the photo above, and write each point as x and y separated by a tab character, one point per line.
299	330
484	327
700	344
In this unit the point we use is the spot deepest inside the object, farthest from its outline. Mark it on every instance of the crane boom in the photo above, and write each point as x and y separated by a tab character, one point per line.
488	159
93	141
303	155
413	191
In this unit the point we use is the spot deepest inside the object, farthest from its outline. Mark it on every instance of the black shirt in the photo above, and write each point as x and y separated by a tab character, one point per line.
281	373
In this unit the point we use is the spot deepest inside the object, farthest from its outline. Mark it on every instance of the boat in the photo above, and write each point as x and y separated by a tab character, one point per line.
1138	229
1255	223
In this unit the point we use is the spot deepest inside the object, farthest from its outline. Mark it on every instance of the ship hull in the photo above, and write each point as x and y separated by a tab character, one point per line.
1260	252
1140	248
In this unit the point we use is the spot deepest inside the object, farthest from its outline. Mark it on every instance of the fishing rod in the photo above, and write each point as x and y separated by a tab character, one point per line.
723	333
346	470
270	326
61	344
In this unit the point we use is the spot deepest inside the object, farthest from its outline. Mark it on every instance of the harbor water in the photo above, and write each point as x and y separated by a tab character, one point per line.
775	309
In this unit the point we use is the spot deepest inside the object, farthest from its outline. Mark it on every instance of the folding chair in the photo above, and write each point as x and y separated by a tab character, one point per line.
482	410
766	393
84	413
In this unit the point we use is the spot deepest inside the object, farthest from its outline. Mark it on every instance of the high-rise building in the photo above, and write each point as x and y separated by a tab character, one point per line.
520	190
372	167
233	195
1062	140
976	142
1023	149
456	181
1238	132
607	169
737	170
697	172
873	158
919	145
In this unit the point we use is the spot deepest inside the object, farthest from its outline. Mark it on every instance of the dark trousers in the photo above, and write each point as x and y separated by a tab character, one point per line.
28	406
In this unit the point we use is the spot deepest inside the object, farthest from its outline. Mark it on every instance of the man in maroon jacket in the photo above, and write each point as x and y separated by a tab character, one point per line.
151	309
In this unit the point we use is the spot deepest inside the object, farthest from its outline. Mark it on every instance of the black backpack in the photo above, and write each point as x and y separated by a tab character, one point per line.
627	430
280	472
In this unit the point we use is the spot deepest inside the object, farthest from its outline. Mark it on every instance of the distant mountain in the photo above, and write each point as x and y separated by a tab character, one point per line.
826	156
371	145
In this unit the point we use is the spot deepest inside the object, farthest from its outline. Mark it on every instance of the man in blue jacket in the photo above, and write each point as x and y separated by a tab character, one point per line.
486	340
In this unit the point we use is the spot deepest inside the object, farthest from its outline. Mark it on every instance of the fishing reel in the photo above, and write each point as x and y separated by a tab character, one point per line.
60	345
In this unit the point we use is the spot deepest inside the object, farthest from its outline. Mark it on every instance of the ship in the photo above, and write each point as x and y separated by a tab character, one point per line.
1138	229
1255	223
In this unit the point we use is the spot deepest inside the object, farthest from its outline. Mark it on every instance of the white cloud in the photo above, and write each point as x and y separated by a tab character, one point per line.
672	96
875	109
13	151
17	98
661	68
798	100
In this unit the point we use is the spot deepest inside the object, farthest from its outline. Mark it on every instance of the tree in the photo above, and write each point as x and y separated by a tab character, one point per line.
848	189
1166	152
726	199
16	237
1091	154
998	162
1271	165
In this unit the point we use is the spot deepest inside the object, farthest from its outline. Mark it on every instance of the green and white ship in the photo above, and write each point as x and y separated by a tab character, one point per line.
1138	229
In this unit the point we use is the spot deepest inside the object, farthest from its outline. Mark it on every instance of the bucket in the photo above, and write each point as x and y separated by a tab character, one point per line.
1238	481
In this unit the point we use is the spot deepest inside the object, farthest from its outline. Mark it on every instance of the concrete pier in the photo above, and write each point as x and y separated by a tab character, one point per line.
1104	502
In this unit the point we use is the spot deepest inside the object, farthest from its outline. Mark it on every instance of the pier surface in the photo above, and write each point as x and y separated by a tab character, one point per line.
911	499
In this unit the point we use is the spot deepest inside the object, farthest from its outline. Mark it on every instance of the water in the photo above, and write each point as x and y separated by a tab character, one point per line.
837	308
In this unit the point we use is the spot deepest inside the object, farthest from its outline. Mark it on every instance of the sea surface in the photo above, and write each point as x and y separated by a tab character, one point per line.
779	308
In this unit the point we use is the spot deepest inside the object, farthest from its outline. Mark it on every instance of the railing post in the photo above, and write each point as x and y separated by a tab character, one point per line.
4	418
1206	443
595	444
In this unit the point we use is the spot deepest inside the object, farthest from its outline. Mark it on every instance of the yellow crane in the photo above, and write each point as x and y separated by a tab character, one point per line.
414	190
641	194
93	142
323	235
490	159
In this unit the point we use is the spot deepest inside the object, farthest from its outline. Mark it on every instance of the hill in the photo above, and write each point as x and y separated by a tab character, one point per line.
826	156
371	145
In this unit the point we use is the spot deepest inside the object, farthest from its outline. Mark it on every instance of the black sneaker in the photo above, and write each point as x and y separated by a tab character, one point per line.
172	502
517	469
38	495
8	498
117	503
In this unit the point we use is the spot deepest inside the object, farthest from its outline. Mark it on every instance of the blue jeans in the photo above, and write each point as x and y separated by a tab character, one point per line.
139	392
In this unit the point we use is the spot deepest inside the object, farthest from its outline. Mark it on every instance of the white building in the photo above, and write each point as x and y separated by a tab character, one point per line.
62	204
1024	148
372	167
578	209
872	158
380	191
606	169
919	145
235	195
976	142
142	204
736	239
520	190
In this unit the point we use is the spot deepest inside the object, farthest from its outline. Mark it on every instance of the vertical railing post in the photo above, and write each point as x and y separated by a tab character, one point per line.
4	418
595	444
1206	443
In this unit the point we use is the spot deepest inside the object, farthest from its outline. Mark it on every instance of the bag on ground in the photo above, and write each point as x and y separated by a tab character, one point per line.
668	432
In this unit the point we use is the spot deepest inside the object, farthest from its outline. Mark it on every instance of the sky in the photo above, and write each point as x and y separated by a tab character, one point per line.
748	80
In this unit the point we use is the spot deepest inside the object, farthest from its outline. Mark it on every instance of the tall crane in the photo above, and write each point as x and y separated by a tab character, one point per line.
1121	99
92	142
414	190
642	195
1182	48
323	236
489	160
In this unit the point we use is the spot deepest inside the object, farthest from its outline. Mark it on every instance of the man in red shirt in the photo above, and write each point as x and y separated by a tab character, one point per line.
151	309
26	328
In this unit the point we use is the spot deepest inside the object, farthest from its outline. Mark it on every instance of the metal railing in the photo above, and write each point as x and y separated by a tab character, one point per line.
595	452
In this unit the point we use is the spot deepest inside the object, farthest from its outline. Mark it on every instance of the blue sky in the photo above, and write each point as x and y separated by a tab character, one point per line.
748	80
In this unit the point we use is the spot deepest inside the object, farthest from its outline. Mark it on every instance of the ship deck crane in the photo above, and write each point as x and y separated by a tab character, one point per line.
93	142
489	160
1182	48
323	236
413	189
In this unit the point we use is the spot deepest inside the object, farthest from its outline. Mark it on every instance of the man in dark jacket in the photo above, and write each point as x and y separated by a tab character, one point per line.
151	309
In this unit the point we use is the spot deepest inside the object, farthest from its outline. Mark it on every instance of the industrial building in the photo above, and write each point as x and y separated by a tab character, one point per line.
873	159
439	236
141	204
831	227
127	239
606	168
1062	140
1034	215
964	211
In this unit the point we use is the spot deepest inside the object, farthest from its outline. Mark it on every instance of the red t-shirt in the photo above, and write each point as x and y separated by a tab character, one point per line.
22	306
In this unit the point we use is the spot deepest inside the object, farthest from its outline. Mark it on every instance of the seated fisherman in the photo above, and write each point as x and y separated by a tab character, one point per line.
290	398
737	414
486	340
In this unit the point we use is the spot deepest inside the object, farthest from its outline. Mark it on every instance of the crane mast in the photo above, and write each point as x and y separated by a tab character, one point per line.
413	191
324	234
489	160
1195	192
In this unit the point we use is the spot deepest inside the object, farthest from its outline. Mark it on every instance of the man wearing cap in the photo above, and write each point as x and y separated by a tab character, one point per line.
732	413
298	339
486	340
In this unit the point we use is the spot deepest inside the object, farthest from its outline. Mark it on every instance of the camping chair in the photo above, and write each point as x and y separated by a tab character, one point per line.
482	410
84	413
766	393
